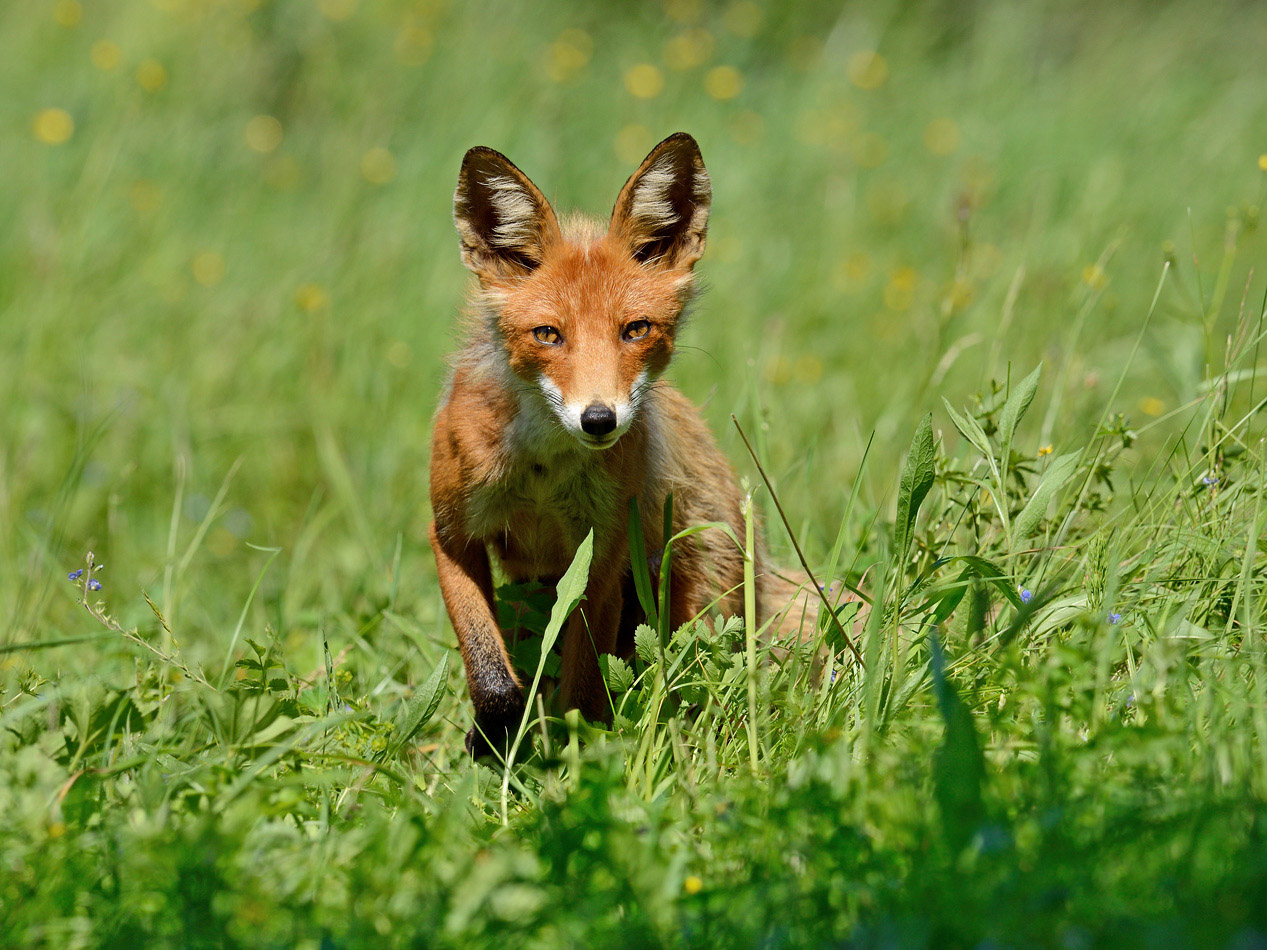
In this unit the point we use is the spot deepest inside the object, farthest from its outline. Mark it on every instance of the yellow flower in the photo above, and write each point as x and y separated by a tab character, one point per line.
378	166
644	81
1094	277
1152	406
1262	161
692	885
311	297
867	69
151	75
57	829
53	126
263	133
723	82
105	54
1045	450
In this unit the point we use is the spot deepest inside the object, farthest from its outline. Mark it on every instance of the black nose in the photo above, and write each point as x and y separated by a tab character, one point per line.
598	420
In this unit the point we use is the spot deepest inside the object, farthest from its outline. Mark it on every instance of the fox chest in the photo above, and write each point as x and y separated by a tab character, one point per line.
535	516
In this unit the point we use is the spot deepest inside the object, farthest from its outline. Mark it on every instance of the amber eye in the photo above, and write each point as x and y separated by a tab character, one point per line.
547	335
635	330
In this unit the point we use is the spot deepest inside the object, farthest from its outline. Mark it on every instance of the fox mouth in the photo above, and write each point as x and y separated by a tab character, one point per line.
599	443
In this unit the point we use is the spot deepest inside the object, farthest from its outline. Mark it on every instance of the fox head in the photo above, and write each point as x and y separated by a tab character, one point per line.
584	315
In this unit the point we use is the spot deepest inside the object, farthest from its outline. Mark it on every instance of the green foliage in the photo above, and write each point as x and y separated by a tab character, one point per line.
226	291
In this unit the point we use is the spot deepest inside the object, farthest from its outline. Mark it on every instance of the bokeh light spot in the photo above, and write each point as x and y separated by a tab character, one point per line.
263	133
644	81
941	136
632	143
68	13
689	49
151	75
208	268
867	69
311	298
569	54
742	18
723	82
378	166
52	126
105	54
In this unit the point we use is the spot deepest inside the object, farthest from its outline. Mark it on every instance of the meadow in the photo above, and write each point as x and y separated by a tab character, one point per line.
985	290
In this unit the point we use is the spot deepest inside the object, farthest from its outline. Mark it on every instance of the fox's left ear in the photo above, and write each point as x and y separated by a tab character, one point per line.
662	212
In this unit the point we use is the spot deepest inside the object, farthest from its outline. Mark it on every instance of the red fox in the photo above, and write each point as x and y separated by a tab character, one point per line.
556	415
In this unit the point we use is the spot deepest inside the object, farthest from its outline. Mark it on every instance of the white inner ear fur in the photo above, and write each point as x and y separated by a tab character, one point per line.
650	200
516	211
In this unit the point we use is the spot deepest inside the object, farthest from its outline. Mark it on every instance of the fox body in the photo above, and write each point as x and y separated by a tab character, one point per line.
556	416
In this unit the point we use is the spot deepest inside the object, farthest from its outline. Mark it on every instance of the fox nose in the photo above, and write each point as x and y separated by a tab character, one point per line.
598	419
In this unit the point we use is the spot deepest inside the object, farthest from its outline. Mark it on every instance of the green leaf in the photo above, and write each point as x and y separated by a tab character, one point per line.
917	479
646	644
639	565
616	673
958	765
989	571
1035	509
971	430
1014	410
422	706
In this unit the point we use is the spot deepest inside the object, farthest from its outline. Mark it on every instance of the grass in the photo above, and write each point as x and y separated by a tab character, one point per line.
226	293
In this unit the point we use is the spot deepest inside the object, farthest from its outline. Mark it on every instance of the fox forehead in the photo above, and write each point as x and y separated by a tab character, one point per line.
588	277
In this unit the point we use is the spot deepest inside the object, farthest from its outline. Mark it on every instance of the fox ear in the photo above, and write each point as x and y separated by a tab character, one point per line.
504	221
662	212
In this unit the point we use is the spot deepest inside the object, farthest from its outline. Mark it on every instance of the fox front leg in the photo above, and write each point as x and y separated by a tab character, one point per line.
466	583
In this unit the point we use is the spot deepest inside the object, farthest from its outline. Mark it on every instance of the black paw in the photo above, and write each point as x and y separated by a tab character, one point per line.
495	728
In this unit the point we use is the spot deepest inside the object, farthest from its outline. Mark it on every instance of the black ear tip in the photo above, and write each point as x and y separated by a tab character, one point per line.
481	156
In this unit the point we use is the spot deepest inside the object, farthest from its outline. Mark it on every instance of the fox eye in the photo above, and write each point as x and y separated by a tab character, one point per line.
635	330
547	335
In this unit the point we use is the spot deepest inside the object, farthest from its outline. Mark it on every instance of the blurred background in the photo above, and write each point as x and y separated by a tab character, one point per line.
229	278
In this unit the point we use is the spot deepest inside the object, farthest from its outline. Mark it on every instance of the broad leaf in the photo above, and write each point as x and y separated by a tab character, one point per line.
422	706
1014	410
1035	509
917	479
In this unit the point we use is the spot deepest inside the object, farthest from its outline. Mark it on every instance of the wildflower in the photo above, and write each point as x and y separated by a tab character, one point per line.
1115	618
692	885
75	575
1209	480
1262	162
94	584
833	676
1026	594
1045	450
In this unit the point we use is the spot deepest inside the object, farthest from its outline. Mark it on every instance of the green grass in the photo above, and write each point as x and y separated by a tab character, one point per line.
218	366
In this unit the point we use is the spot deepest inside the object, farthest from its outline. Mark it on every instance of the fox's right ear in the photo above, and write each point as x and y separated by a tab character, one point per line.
504	221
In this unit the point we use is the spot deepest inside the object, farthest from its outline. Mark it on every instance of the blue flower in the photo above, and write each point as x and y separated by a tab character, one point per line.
1025	595
94	584
1114	618
1209	480
75	575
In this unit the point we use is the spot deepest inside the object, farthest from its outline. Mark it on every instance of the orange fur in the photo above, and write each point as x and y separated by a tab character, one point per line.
542	436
